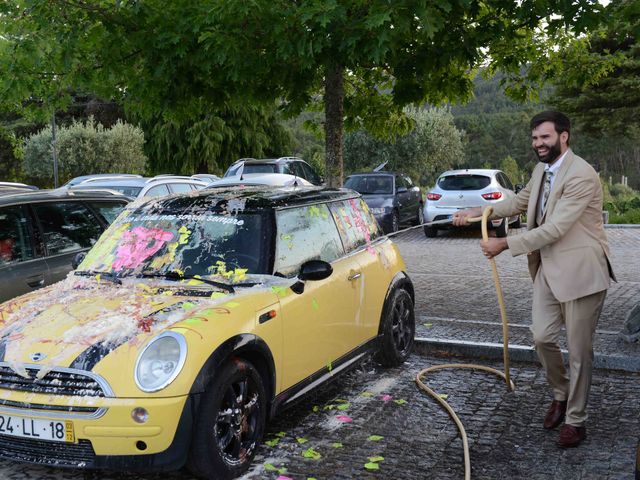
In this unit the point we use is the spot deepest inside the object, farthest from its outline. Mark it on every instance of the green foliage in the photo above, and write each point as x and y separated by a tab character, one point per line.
84	148
509	166
432	146
622	203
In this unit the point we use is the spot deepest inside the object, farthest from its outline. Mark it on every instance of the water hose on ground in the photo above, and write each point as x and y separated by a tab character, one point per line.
505	334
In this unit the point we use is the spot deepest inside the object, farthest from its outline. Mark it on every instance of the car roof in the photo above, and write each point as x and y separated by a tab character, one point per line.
471	171
137	182
272	179
60	194
374	174
252	198
101	176
268	160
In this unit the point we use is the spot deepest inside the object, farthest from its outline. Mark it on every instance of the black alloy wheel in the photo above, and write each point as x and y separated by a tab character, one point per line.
395	222
230	422
398	328
502	230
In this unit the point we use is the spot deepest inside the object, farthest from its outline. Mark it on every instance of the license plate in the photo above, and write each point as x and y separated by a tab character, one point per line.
37	428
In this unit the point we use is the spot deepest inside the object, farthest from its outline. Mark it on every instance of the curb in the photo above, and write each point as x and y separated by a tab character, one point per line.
517	353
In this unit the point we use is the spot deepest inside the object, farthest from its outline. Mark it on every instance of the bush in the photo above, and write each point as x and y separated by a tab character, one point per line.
85	148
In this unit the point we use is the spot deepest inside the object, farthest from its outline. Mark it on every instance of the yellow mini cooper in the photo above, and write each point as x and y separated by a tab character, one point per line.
192	321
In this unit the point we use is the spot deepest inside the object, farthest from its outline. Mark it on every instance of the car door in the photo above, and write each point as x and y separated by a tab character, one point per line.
67	227
402	198
22	266
317	321
414	198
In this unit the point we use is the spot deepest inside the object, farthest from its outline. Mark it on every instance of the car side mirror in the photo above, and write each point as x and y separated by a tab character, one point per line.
315	270
401	189
518	187
77	259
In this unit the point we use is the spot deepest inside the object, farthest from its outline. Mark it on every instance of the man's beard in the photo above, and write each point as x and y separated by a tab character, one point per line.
552	154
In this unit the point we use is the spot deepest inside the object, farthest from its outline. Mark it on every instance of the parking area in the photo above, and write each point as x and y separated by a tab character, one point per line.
375	424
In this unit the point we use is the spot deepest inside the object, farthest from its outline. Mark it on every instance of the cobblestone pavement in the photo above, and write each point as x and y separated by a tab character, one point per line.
455	300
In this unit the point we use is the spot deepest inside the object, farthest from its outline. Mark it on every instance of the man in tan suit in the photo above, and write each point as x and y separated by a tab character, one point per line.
568	258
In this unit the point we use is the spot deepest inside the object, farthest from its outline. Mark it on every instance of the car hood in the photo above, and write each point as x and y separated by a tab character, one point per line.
82	317
378	200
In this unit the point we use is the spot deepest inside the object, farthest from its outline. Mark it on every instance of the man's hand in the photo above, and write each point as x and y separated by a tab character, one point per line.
460	217
493	246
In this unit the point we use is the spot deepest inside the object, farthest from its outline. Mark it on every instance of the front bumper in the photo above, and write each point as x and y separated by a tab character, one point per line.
113	441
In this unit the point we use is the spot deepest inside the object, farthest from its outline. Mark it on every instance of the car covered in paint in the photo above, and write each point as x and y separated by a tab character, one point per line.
392	197
459	189
193	320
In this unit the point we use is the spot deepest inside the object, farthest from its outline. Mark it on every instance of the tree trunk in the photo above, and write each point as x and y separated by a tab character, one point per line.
334	124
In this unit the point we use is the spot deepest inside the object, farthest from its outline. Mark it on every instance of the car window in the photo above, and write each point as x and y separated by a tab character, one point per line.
67	226
157	191
369	184
504	181
181	187
260	168
305	233
400	183
233	170
15	241
310	174
356	224
464	182
107	210
297	170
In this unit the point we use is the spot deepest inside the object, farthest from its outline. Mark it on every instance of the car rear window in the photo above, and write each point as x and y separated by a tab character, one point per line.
370	184
464	182
260	168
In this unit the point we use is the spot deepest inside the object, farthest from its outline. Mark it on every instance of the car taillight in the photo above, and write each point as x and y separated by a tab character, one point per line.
433	196
492	195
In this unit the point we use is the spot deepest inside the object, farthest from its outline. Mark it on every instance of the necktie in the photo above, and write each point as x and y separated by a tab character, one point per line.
546	189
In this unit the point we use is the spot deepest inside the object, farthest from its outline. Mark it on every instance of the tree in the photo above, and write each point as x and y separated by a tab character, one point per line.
432	146
364	60
85	148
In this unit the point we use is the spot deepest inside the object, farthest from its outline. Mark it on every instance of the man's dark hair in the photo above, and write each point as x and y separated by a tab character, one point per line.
560	121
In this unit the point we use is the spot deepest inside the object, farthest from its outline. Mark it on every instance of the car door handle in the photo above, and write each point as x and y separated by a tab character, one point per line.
36	283
354	276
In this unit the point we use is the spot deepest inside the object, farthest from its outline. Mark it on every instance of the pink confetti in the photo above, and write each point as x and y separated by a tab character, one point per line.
282	477
345	418
386	398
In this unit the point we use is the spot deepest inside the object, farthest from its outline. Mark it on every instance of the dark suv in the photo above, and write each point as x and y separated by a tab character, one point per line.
290	165
41	231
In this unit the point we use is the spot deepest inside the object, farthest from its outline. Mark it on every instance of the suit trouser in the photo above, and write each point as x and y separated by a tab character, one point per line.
580	317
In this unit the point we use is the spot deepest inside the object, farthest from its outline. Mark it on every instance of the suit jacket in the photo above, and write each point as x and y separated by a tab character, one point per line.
570	242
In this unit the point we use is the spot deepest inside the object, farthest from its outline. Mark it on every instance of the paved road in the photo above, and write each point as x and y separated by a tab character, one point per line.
419	441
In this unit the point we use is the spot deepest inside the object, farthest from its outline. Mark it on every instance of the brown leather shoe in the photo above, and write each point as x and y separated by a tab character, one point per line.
555	414
571	436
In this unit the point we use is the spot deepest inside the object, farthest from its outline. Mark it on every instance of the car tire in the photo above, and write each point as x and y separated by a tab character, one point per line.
224	443
395	222
431	232
398	328
420	216
517	223
503	229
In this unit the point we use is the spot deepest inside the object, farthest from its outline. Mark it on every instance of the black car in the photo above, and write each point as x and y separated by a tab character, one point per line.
289	165
392	198
41	232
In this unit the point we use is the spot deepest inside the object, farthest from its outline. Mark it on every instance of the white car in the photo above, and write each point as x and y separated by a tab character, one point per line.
139	187
264	179
459	189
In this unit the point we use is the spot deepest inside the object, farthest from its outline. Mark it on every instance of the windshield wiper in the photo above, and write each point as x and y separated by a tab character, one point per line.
177	276
111	276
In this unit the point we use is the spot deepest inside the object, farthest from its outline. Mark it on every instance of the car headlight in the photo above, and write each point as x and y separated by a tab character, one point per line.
378	210
160	362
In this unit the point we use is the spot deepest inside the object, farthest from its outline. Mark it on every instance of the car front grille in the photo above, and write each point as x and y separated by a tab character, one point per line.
60	381
79	454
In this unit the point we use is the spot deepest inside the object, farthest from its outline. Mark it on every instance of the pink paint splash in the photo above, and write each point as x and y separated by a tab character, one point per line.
138	245
387	398
344	418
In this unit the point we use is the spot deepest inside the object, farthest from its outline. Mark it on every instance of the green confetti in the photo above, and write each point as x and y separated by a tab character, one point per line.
273	442
311	453
301	440
443	396
329	407
376	459
344	406
314	304
428	325
375	438
316	408
372	466
337	445
366	394
400	401
270	468
280	434
329	367
341	400
188	305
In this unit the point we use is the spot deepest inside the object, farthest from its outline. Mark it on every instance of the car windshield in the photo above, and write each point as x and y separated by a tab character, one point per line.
184	244
370	184
259	168
464	182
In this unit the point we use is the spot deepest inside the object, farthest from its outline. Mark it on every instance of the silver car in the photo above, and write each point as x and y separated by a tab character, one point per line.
459	189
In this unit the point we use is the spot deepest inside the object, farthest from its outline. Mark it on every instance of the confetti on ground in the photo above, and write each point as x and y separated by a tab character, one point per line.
366	394
316	408
372	466
428	325
273	442
400	401
376	459
282	477
311	453
344	406
443	396
337	445
271	468
341	400
301	440
375	438
280	434
386	398
344	418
